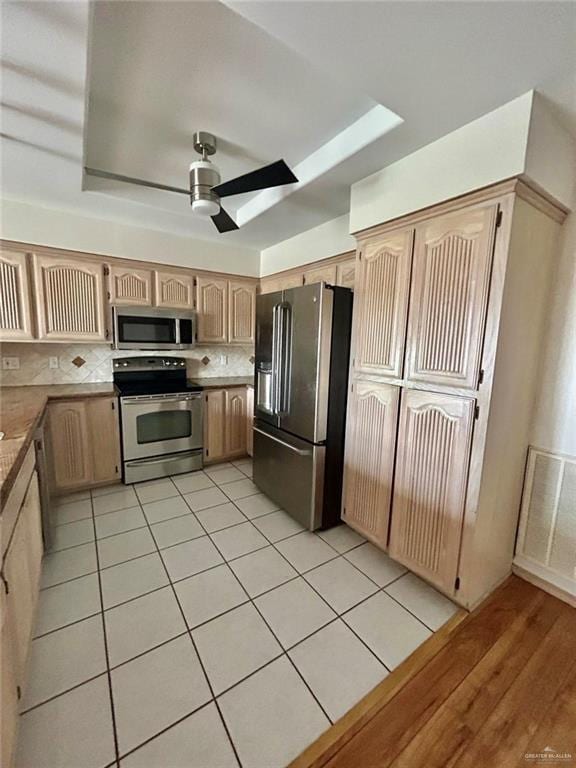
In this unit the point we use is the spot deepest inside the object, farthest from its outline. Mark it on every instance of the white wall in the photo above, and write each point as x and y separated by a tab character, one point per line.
63	229
329	239
554	426
483	152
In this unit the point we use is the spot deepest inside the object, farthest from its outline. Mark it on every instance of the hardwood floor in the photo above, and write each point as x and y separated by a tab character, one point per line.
498	685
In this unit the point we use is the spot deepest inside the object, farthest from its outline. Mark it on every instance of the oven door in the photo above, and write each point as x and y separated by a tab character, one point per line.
153	425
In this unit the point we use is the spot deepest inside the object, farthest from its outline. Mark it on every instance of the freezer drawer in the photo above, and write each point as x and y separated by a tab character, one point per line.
291	472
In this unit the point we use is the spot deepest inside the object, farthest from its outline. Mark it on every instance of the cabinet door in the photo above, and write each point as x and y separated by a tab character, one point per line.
104	437
280	283
381	302
235	432
70	445
129	286
8	683
174	290
430	484
212	307
241	312
214	425
22	571
451	274
319	274
369	458
346	273
69	299
249	420
15	310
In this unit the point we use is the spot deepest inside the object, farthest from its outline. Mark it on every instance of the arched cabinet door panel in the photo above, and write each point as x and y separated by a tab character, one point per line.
235	431
241	312
212	306
381	302
15	310
174	290
369	458
430	484
451	275
131	287
69	297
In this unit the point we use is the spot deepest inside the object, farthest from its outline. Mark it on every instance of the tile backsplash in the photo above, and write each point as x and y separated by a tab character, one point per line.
35	368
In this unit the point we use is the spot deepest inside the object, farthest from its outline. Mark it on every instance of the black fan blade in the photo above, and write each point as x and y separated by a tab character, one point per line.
273	175
131	180
223	222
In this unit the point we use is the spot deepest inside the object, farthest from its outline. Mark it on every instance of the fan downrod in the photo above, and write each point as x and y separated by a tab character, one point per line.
204	143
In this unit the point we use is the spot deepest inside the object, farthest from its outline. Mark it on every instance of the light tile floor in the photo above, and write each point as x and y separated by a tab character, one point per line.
190	623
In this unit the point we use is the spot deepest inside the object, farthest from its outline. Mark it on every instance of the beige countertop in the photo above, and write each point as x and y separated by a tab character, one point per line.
222	382
21	409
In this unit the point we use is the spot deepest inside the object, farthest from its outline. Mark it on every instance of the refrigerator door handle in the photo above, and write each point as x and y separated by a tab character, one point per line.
285	349
299	451
275	353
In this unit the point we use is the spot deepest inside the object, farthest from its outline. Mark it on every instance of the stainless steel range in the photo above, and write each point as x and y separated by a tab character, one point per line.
161	418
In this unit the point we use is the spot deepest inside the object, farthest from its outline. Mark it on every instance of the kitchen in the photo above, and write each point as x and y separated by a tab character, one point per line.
278	482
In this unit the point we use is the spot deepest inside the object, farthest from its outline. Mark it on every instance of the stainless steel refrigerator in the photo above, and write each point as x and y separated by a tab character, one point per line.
302	354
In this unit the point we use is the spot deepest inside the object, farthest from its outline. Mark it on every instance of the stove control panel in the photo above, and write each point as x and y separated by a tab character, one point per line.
148	363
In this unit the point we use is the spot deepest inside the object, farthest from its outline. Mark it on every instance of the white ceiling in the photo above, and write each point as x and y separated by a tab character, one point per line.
270	79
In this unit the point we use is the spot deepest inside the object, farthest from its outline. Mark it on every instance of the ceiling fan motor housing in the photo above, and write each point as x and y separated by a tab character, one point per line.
204	176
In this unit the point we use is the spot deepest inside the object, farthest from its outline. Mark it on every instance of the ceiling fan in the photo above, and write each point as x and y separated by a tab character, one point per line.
205	187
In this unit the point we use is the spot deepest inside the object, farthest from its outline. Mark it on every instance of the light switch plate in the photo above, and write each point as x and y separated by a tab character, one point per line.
10	363
53	362
223	359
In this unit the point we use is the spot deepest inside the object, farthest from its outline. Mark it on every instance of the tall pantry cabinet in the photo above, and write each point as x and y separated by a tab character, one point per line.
450	309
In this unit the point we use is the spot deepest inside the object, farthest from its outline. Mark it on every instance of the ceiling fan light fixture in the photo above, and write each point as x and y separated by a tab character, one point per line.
205	207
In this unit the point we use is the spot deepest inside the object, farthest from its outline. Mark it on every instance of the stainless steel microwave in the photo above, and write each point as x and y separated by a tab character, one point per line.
150	328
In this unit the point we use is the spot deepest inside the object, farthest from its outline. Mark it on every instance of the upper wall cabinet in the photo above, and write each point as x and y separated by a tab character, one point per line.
380	303
346	273
131	286
69	299
451	274
326	274
174	290
212	306
15	314
241	312
280	283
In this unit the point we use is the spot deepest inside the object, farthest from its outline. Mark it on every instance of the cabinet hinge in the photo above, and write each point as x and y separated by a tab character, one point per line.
18	692
6	585
107	334
498	219
107	272
481	376
351	387
113	404
457	583
116	468
476	412
108	295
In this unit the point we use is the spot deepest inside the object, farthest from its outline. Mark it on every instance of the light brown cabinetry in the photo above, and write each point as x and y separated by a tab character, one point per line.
69	299
129	286
430	484
84	442
280	282
346	274
15	310
381	303
241	312
21	563
174	290
224	423
451	272
326	274
212	306
450	307
369	461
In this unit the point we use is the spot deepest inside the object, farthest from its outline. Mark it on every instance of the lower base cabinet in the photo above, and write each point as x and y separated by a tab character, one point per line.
225	421
430	483
84	443
21	573
369	460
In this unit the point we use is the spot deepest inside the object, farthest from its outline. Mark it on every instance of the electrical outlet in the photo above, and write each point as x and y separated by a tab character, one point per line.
10	363
223	359
53	362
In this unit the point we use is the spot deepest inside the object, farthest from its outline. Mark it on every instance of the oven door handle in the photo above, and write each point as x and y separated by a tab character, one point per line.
160	401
